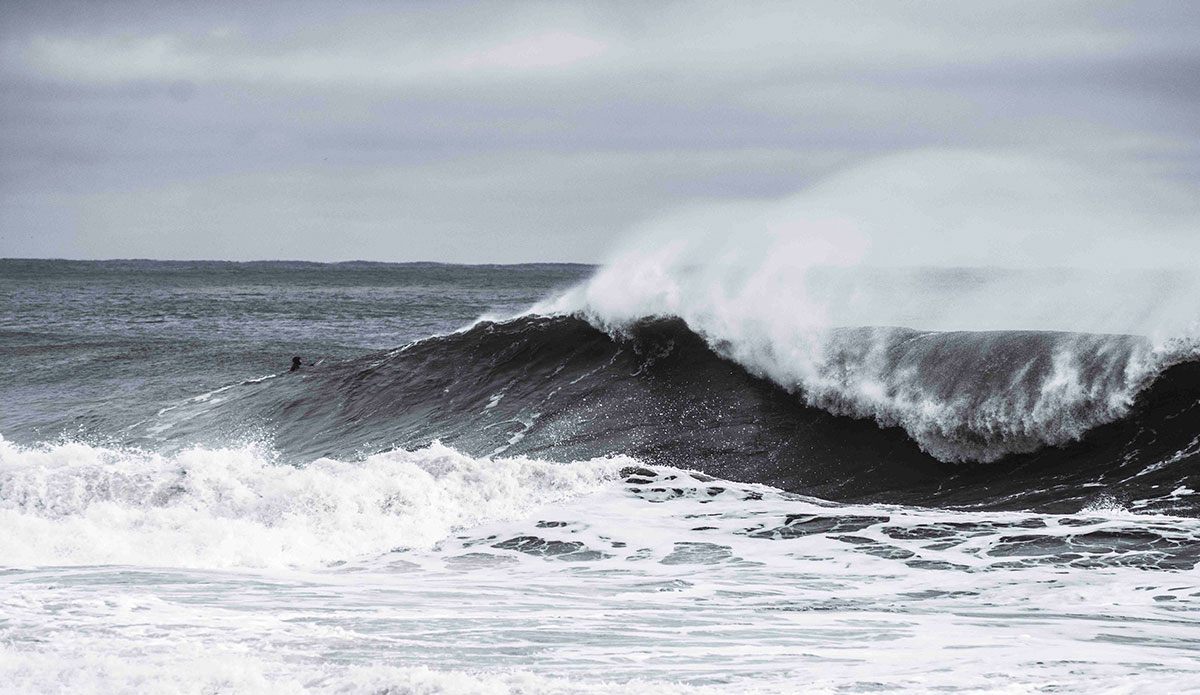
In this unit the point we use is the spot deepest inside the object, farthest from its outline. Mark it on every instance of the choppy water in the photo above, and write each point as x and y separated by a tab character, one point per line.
176	522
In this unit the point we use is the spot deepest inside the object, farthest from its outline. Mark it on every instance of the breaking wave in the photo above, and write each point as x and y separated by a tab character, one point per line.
1059	417
217	508
962	395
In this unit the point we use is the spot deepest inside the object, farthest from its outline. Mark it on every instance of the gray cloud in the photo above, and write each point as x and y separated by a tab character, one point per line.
536	131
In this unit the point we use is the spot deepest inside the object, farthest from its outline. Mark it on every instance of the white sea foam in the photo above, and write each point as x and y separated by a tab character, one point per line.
95	670
668	583
80	504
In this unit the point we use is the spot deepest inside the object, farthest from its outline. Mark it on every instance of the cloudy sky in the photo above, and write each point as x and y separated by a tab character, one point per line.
506	132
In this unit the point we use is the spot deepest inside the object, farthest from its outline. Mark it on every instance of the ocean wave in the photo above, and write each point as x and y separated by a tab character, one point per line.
962	395
1054	414
237	507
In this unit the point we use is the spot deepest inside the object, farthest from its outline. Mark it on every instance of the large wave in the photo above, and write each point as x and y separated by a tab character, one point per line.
962	396
1013	383
559	389
805	291
776	342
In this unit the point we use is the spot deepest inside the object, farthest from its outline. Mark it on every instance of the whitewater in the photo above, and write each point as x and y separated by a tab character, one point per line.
430	571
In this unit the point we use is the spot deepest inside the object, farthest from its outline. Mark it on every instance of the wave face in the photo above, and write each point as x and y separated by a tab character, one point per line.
1059	418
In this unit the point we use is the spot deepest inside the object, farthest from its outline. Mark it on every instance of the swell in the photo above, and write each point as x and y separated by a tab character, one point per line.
1062	418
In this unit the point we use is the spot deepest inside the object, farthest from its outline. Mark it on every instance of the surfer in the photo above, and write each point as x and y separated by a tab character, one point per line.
295	364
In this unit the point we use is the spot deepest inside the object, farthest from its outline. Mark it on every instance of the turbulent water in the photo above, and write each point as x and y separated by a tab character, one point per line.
576	498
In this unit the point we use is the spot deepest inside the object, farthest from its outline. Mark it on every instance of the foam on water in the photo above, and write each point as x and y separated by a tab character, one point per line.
79	504
663	580
94	669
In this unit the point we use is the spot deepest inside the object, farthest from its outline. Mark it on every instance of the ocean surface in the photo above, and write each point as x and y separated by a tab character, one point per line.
516	479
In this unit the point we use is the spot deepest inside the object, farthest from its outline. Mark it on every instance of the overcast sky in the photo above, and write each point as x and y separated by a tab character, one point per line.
507	132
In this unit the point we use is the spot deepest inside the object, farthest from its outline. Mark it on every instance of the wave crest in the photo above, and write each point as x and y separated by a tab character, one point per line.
963	395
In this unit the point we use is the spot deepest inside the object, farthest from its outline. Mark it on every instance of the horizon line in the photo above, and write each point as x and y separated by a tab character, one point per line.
278	260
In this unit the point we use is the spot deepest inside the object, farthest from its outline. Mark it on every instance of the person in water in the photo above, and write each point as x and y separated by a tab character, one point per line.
295	364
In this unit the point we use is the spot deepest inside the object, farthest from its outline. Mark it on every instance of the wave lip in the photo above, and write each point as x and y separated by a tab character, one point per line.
73	503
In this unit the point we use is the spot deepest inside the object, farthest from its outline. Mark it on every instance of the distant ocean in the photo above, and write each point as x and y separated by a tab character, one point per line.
477	482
